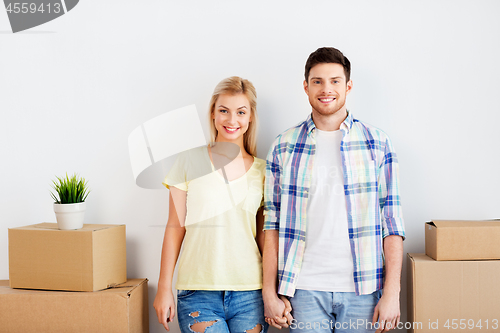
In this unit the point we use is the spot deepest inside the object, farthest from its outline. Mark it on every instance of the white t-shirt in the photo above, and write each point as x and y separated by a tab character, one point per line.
327	264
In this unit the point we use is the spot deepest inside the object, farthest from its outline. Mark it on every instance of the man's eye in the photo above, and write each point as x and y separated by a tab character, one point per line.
316	82
336	81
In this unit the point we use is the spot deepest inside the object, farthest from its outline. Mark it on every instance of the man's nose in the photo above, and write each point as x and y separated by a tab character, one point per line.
327	88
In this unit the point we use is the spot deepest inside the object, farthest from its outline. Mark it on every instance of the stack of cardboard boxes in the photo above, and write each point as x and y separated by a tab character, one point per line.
455	286
71	281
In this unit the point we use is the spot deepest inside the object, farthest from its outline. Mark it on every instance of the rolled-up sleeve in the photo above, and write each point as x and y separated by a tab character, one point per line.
272	190
389	194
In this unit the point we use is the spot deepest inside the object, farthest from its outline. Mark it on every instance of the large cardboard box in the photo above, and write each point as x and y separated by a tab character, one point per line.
462	240
122	309
43	257
446	296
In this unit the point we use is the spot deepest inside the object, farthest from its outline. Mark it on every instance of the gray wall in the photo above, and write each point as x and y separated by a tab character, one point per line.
73	89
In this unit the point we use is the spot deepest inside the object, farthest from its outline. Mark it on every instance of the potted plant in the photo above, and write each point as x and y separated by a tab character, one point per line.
70	206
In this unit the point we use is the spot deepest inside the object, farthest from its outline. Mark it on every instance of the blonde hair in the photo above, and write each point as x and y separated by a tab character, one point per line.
231	86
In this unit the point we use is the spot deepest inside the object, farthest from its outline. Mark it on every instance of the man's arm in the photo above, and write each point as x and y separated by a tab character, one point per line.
387	312
388	307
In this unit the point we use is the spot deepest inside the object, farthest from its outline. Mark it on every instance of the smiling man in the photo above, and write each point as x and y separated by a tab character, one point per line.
333	223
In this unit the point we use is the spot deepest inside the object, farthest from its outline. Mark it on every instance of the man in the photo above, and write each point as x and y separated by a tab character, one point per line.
333	223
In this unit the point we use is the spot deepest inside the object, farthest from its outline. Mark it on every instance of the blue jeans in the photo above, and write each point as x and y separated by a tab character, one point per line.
339	312
225	311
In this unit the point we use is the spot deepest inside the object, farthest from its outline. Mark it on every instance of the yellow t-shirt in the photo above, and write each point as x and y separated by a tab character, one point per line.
219	250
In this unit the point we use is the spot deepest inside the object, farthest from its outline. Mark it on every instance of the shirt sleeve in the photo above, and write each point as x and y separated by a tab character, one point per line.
177	175
262	170
272	190
389	197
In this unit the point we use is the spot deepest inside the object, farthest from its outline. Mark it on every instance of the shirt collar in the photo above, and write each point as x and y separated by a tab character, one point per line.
310	124
346	124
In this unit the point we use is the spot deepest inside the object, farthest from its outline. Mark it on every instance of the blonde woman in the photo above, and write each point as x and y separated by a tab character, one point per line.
217	217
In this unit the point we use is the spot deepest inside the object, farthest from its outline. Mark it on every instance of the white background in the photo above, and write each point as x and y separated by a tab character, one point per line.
73	89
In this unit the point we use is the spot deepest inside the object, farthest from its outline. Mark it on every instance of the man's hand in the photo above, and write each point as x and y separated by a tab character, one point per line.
387	312
288	309
277	311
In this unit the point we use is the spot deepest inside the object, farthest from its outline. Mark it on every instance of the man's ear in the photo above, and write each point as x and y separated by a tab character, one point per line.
306	87
349	87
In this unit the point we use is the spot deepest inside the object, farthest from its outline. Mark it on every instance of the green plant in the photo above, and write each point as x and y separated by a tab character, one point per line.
70	189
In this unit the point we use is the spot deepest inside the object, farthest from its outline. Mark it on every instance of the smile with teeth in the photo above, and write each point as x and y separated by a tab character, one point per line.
231	129
326	99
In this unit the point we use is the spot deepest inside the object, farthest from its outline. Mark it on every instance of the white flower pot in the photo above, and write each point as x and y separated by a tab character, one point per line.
69	216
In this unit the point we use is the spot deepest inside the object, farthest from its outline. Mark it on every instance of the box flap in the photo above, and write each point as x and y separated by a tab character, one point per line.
53	226
127	287
123	288
463	224
420	257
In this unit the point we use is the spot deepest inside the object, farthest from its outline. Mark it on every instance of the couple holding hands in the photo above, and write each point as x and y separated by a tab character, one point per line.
310	239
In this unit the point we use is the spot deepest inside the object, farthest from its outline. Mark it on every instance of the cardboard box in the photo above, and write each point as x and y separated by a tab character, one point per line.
462	240
446	296
122	309
43	257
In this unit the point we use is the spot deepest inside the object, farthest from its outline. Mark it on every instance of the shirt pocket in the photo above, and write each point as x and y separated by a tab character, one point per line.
254	188
364	173
253	200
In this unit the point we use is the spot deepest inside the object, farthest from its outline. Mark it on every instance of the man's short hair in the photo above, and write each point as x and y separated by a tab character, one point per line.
328	55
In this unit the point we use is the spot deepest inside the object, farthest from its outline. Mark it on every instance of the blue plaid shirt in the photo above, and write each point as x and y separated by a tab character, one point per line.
371	187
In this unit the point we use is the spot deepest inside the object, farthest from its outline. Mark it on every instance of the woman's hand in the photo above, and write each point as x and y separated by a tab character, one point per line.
163	304
277	311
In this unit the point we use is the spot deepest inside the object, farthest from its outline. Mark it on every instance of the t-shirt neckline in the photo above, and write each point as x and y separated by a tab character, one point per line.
207	155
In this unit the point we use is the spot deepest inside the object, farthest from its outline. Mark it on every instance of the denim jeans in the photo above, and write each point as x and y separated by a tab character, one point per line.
339	312
226	311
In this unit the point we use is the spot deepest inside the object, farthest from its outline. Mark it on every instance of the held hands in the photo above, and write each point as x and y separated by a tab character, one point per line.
277	312
387	312
164	302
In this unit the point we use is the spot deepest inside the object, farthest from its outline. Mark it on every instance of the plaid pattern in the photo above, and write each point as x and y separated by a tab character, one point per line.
372	198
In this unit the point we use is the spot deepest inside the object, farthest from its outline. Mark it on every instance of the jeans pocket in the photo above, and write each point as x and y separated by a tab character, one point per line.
184	293
377	294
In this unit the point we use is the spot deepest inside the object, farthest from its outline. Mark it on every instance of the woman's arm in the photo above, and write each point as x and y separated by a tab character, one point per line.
276	309
172	241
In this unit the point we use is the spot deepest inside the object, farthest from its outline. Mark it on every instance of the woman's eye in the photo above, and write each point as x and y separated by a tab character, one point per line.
223	111
241	112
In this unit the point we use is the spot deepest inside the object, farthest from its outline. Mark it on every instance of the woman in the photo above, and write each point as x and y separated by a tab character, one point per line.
217	214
